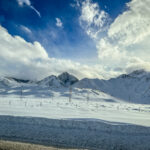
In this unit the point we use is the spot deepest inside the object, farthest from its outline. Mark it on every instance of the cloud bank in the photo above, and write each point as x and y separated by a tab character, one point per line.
125	42
22	59
122	45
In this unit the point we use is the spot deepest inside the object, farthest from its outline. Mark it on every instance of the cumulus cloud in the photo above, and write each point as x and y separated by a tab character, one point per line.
126	38
133	25
17	47
23	59
59	22
28	3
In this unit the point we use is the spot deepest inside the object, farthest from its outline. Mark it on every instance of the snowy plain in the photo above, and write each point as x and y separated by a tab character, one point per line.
102	107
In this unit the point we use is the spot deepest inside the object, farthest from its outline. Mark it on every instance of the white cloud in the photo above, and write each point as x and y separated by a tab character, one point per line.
12	46
25	29
38	13
75	4
129	31
59	22
133	26
28	3
23	59
136	64
92	19
21	2
126	39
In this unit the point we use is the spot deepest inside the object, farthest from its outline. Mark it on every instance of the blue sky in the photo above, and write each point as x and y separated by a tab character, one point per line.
70	40
79	31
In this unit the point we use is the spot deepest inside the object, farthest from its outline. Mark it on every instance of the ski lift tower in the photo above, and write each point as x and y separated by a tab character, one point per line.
70	93
21	92
88	97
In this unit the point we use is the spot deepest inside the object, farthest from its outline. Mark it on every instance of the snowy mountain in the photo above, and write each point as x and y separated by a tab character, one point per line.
63	80
19	80
134	87
14	82
67	79
6	82
51	81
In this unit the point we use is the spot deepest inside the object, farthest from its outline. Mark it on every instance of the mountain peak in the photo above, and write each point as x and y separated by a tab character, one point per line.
64	79
67	78
135	74
139	73
64	74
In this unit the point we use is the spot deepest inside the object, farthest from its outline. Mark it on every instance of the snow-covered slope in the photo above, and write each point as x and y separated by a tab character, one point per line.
51	81
11	82
133	87
6	81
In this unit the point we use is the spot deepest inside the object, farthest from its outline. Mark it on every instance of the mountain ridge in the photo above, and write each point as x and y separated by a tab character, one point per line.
134	86
134	74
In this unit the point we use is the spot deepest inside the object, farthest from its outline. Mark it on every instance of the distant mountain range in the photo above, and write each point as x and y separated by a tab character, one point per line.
130	87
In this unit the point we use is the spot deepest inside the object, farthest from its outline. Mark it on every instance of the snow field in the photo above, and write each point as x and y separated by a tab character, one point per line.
60	108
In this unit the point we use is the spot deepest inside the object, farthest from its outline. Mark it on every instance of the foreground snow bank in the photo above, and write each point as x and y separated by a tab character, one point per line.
79	133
